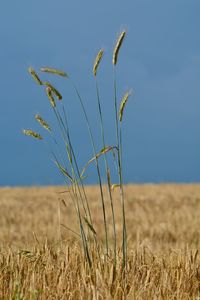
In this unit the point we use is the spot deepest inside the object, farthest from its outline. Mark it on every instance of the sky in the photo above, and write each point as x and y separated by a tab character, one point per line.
159	60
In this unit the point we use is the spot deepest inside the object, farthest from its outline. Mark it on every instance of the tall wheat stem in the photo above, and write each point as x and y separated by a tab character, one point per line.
79	176
107	170
82	231
119	146
76	164
65	139
97	164
77	208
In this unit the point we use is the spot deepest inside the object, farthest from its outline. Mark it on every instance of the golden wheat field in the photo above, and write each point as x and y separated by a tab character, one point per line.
42	259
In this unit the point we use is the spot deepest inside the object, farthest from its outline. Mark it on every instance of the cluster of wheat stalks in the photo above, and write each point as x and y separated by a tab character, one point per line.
71	171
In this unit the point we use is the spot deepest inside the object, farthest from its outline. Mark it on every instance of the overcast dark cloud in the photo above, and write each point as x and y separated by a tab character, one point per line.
160	60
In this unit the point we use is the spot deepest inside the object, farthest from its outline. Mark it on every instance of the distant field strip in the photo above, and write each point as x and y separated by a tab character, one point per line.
42	259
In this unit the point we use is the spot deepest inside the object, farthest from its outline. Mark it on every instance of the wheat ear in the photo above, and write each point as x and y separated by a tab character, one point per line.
53	71
53	89
97	61
123	104
50	97
33	134
117	46
42	122
34	75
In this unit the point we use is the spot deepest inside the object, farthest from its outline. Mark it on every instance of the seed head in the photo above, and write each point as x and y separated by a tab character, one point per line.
53	89
51	98
33	134
53	71
122	105
97	61
42	122
117	47
34	75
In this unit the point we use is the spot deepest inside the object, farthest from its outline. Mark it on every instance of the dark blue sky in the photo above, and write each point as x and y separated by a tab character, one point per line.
160	61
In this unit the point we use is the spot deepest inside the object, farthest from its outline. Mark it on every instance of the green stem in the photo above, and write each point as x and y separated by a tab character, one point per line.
67	132
107	170
119	145
82	231
97	164
76	165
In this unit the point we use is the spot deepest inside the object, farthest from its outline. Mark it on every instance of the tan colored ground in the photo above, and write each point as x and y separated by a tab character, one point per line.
163	236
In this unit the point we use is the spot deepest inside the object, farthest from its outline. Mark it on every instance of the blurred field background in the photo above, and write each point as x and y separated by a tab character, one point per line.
41	260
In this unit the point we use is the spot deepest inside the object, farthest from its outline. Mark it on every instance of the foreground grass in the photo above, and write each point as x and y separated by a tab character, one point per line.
41	260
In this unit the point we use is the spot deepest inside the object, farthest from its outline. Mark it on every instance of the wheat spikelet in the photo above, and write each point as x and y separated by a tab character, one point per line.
53	89
43	122
97	61
34	75
51	98
122	105
33	134
117	47
53	71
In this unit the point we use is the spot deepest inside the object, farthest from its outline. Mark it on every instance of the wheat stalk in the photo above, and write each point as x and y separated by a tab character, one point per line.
119	146
97	61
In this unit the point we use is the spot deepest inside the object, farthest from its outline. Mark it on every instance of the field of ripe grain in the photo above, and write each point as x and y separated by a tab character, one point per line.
42	259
